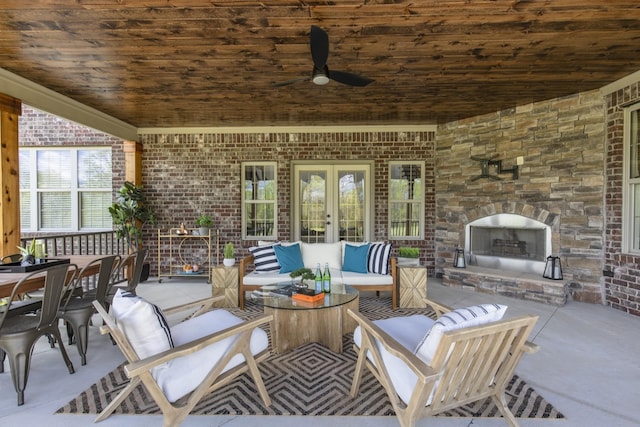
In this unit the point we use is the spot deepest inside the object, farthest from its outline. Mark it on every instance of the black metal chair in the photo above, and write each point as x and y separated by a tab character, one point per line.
18	334
8	259
130	267
76	308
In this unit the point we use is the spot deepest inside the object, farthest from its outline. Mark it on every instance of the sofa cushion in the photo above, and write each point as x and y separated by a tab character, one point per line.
379	254
178	377
264	258
142	323
457	319
351	278
355	258
321	253
289	257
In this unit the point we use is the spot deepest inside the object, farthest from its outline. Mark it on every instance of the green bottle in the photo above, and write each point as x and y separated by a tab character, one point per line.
326	279
318	279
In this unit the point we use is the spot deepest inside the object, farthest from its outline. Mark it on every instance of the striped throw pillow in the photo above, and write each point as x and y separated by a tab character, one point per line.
264	258
378	261
457	319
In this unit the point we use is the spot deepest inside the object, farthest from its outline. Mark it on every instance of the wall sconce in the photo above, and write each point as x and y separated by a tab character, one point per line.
458	259
553	268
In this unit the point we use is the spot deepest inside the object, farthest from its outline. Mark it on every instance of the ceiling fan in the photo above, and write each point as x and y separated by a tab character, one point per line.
319	44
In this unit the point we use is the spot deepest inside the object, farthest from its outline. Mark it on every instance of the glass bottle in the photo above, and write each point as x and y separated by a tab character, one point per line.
318	278
326	279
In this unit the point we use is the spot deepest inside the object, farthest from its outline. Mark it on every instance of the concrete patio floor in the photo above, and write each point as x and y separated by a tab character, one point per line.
588	367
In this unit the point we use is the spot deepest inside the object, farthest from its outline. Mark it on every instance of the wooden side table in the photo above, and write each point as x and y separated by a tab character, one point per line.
412	281
224	281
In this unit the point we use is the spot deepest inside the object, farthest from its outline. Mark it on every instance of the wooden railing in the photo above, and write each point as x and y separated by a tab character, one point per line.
94	243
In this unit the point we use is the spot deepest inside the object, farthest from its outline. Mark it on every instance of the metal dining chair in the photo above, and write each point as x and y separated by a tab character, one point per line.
76	308
18	334
129	268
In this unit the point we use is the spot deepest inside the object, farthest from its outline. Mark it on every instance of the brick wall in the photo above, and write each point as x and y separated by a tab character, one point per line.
622	291
562	143
189	174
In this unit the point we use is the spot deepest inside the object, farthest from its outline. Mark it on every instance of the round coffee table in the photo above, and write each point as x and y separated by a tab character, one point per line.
297	323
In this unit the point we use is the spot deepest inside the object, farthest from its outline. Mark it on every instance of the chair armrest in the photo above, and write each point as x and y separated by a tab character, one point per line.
136	368
394	347
440	309
244	263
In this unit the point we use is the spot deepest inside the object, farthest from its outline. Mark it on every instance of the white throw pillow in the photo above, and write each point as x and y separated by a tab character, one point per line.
321	253
457	319
142	323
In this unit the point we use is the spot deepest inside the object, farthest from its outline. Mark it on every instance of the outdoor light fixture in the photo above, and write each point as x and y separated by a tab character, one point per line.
553	268
458	259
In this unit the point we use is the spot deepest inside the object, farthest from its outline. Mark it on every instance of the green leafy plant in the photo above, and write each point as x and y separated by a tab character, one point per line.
28	252
130	213
204	221
304	273
408	252
229	251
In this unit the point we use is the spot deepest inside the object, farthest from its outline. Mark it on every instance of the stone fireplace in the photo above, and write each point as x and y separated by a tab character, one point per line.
507	241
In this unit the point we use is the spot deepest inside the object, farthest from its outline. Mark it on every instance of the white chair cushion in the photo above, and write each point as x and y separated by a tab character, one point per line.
182	375
457	319
321	253
142	323
351	278
408	331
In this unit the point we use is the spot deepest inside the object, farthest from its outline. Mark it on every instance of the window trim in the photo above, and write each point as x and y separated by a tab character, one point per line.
274	232
74	190
628	184
421	232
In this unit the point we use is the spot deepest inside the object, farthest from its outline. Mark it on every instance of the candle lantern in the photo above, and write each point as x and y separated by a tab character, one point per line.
458	259
553	268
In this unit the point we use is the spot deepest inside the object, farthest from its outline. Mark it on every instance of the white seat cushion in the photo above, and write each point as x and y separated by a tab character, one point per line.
351	278
178	377
408	331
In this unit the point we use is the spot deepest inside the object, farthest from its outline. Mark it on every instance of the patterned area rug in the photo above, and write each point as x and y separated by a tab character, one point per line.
310	380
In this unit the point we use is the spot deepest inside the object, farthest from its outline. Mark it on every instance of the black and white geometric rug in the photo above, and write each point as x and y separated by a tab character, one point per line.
310	380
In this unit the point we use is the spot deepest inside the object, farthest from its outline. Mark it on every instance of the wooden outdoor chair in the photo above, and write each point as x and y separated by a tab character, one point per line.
426	371
209	350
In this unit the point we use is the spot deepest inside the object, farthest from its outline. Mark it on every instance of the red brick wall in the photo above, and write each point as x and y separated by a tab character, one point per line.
622	291
189	174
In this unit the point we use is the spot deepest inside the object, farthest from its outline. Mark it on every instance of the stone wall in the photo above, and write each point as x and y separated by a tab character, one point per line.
622	291
562	144
189	174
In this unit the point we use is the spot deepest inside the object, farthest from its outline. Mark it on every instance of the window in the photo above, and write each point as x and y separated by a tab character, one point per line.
631	199
259	208
65	189
406	200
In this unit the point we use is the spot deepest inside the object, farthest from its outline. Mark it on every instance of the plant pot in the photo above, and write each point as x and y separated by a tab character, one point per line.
146	269
408	261
228	262
203	231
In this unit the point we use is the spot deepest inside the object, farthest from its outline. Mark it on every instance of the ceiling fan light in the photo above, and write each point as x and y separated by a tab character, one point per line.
320	79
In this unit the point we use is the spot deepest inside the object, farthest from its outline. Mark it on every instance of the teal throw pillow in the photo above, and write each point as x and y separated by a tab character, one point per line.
355	258
289	257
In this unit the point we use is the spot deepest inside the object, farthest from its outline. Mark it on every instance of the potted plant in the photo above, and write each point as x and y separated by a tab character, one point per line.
408	255
204	222
229	254
130	213
303	273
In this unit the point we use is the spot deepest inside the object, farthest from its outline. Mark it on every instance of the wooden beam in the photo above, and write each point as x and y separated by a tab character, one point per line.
133	161
10	111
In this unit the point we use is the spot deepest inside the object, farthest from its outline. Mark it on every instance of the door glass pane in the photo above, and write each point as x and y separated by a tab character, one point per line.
313	192
351	205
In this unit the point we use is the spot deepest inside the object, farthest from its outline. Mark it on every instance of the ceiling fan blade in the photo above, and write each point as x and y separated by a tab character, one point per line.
319	43
349	78
288	82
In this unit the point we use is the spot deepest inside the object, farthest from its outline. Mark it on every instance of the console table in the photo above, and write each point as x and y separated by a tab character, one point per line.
412	282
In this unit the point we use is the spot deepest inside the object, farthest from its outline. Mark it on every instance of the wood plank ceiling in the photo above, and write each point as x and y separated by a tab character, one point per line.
167	63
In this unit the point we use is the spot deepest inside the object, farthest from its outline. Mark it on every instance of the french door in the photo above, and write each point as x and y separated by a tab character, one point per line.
332	202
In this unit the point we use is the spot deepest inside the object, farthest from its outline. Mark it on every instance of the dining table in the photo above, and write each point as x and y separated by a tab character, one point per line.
8	280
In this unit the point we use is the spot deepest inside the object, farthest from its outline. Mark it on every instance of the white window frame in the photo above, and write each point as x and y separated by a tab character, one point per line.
274	232
420	235
630	230
74	190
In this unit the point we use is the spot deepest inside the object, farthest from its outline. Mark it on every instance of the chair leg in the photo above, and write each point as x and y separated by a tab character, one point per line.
70	334
19	351
3	355
78	321
56	333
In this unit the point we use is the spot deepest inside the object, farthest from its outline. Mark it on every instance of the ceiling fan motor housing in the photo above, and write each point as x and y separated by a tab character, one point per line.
320	77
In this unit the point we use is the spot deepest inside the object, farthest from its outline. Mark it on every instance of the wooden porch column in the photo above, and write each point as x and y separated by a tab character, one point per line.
133	162
10	111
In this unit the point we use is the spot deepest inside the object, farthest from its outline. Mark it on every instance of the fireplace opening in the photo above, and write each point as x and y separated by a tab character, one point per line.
510	242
